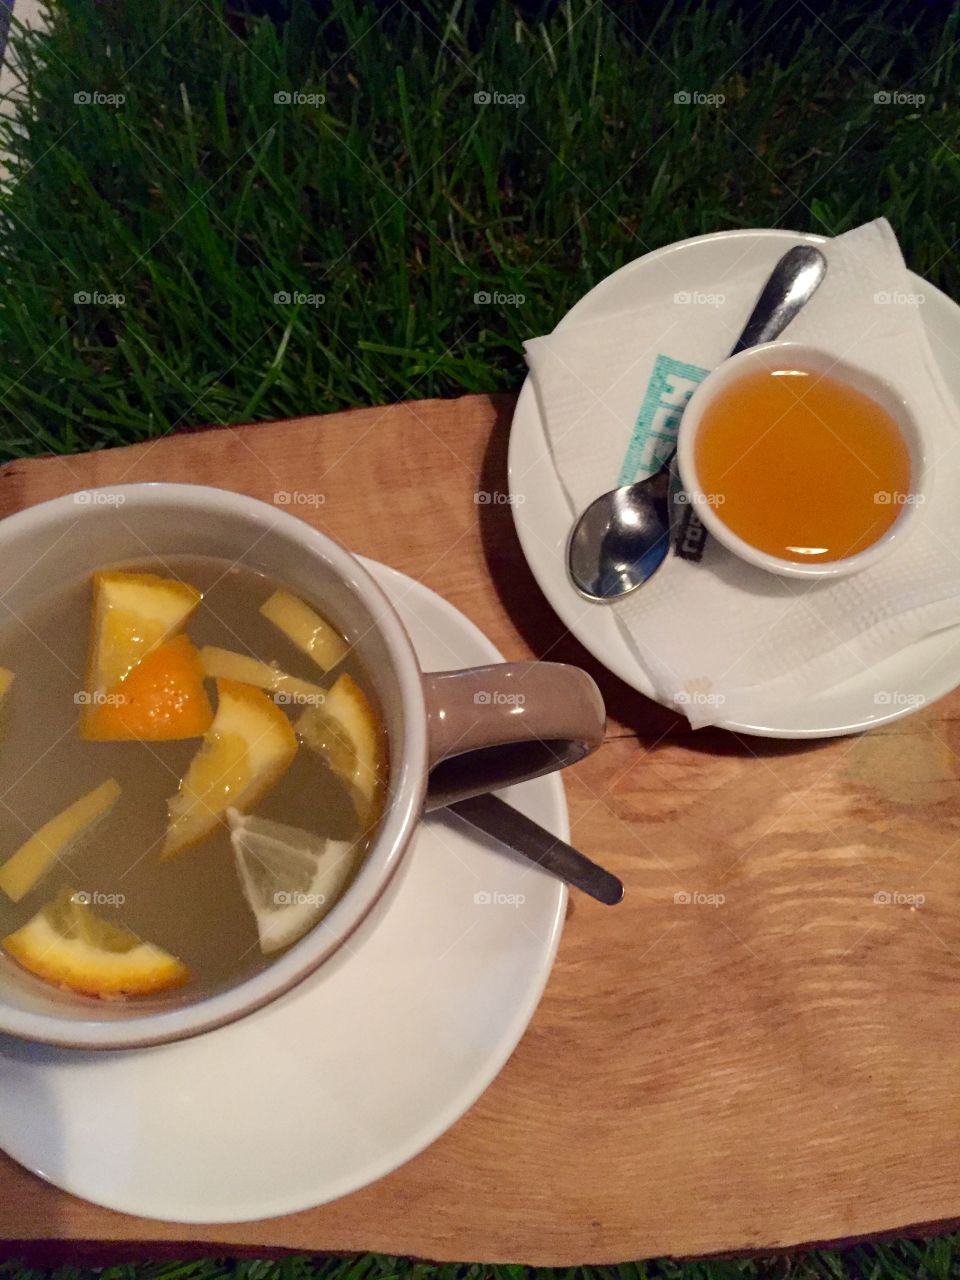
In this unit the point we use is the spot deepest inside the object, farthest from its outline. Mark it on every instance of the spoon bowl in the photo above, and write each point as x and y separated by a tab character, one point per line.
621	539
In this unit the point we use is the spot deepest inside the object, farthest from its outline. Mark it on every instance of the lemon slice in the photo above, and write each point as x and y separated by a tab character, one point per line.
6	680
305	627
24	868
67	944
345	731
290	877
250	744
226	665
133	613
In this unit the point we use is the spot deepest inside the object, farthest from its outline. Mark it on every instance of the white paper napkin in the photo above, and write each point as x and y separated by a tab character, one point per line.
720	639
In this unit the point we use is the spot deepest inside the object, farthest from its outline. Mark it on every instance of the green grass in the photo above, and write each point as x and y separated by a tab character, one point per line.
399	198
935	1260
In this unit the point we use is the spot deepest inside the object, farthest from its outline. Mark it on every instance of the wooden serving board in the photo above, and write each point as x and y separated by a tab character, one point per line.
774	1060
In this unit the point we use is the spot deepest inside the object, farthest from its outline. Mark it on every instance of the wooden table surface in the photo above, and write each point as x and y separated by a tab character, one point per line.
755	1050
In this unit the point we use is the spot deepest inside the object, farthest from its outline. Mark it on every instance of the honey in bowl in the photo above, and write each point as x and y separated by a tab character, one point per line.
801	465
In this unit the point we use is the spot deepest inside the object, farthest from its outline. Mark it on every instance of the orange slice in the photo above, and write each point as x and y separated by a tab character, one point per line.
132	614
305	627
67	944
162	698
224	664
250	744
344	729
33	859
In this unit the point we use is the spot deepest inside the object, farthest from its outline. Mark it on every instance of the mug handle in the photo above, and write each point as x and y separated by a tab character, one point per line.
506	722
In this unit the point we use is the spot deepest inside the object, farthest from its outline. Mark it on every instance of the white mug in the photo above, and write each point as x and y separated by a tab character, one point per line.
444	742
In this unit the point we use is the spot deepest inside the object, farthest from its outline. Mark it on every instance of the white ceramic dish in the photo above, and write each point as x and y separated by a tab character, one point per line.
930	667
449	735
774	355
346	1077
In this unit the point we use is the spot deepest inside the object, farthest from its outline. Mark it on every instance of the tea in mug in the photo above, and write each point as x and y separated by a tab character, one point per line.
192	766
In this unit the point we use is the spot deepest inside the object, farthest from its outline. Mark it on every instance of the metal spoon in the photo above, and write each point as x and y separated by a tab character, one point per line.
519	833
623	536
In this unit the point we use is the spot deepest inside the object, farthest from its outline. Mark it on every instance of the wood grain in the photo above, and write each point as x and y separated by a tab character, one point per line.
750	1052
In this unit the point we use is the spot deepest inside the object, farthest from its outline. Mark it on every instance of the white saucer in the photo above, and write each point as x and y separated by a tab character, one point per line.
930	667
348	1076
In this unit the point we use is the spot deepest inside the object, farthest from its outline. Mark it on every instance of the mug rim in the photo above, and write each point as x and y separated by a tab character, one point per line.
391	842
730	368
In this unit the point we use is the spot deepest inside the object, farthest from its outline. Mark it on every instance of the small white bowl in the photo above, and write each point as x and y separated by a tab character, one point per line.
773	355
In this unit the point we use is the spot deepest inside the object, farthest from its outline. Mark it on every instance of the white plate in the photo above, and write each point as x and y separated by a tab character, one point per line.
356	1070
542	515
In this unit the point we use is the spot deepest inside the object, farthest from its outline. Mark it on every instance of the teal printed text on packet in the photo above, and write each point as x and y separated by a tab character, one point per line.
671	385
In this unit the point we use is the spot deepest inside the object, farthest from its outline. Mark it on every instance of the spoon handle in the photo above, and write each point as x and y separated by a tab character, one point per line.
793	282
790	286
528	838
